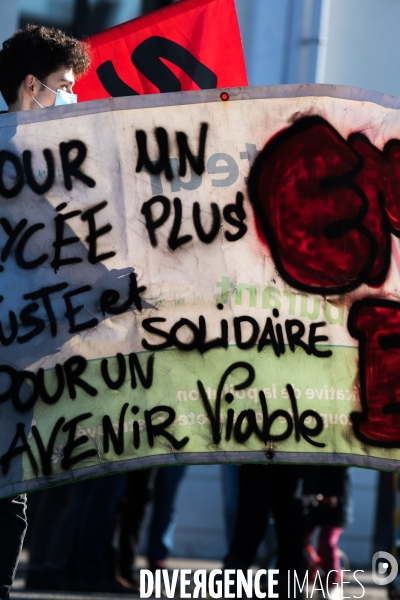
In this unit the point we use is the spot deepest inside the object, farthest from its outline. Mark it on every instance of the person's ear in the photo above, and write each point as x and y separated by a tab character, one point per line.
30	84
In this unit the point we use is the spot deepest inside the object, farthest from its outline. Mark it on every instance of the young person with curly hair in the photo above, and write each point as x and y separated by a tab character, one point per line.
38	67
36	64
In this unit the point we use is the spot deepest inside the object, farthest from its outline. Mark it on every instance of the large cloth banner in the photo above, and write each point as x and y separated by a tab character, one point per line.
190	45
191	280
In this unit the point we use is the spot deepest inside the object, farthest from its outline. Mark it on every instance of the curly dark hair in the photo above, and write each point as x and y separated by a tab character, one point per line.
39	51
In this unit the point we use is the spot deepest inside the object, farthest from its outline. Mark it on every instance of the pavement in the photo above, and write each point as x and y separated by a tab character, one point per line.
371	591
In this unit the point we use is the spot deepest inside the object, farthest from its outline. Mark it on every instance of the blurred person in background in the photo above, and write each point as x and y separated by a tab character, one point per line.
72	539
160	485
326	499
163	521
263	488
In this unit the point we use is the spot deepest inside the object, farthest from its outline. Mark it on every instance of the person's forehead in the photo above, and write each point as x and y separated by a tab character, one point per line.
63	74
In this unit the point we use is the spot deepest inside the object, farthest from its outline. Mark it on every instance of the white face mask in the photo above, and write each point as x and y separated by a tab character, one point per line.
62	97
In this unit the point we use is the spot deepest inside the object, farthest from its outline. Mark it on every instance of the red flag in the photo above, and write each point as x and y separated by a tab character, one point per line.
190	45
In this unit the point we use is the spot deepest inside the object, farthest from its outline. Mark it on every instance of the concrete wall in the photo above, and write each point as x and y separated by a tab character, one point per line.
349	42
281	39
364	45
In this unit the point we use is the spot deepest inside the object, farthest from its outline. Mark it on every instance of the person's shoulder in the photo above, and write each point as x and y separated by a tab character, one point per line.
3	112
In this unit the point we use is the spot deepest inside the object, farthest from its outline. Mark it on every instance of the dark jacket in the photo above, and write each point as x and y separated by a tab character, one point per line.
332	482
